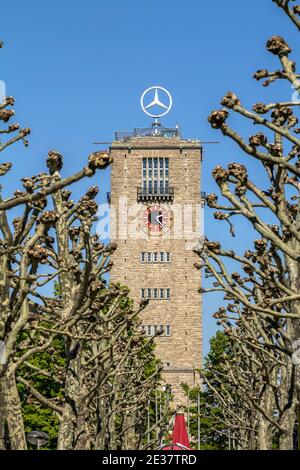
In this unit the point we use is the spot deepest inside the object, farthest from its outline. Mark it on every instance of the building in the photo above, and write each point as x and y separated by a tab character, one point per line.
155	215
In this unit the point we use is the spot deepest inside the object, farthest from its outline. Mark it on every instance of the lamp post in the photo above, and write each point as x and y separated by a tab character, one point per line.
37	438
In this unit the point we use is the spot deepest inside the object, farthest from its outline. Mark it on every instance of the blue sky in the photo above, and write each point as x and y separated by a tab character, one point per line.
77	70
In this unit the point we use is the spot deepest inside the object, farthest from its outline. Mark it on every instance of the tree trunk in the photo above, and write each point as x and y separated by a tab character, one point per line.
289	406
264	441
73	429
286	437
264	426
101	428
12	432
129	438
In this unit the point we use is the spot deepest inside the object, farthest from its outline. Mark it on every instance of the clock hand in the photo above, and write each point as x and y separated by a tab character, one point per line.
158	217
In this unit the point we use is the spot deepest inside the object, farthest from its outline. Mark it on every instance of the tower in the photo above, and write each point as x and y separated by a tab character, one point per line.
155	215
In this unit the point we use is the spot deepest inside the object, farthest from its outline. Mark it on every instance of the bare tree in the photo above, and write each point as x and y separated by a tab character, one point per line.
263	315
25	246
260	374
110	371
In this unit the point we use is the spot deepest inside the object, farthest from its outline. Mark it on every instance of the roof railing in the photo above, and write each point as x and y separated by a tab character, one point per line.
148	132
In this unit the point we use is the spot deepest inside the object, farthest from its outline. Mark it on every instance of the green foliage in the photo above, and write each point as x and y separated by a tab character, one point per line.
56	290
50	384
219	348
36	416
213	435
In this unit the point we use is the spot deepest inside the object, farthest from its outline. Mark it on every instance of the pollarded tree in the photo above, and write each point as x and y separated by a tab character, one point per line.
116	375
108	371
270	292
255	318
26	249
214	430
104	352
25	246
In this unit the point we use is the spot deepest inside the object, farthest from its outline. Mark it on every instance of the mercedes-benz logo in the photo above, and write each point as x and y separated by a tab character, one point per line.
155	92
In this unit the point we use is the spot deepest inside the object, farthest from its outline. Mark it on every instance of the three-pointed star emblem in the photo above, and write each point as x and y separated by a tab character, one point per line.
156	102
161	99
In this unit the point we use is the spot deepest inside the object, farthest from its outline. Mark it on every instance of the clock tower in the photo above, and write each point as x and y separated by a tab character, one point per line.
155	207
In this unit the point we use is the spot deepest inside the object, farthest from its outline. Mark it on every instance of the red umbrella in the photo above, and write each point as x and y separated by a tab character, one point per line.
180	439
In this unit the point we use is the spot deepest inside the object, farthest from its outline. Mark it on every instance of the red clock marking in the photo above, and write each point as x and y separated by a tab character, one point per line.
155	218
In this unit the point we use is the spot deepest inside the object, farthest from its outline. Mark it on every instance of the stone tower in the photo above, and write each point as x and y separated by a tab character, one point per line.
155	219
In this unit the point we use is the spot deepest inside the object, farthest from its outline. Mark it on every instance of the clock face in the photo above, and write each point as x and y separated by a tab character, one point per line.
156	218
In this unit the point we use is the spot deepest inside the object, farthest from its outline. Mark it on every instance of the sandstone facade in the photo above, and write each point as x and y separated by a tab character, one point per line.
179	348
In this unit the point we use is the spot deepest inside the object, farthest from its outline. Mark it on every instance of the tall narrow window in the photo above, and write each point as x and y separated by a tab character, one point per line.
166	168
144	175
155	294
161	168
168	294
161	187
168	257
143	256
161	256
149	257
150	175
155	161
168	330
142	293
148	293
155	175
155	257
144	168
149	330
161	293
